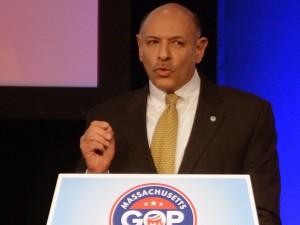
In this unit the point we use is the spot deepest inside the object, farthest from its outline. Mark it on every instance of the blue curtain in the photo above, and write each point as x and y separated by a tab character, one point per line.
259	52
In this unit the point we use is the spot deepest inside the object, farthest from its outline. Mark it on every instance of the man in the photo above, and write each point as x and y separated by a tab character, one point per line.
220	130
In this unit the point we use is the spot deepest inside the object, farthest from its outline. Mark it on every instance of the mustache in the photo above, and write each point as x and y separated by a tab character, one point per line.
166	66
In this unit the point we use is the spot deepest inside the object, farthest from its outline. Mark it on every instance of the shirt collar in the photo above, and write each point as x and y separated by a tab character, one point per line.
190	89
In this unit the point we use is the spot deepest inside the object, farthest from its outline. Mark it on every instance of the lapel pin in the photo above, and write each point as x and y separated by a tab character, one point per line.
213	119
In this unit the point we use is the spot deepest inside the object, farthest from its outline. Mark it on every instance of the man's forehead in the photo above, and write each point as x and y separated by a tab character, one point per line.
167	16
167	29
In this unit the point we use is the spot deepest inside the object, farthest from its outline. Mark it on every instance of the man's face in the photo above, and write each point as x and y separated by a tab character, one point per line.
169	49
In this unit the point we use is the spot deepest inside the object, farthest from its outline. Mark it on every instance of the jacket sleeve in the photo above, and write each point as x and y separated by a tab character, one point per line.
262	165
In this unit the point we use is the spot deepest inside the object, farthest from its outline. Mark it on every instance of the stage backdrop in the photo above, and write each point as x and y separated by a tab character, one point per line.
48	43
259	51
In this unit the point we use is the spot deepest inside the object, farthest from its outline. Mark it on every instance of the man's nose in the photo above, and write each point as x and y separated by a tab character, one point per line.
164	52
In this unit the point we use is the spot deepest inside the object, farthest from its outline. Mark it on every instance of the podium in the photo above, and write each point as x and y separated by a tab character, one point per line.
144	199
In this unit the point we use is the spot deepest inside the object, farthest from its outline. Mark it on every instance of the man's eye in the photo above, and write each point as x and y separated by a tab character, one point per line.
152	42
178	43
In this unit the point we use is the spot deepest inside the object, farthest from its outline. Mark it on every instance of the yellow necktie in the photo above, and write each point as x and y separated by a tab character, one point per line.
163	145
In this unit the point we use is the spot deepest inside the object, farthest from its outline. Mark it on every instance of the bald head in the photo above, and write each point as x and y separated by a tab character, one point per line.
174	9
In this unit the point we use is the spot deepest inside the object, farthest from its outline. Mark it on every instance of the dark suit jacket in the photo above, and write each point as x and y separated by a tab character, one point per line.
242	140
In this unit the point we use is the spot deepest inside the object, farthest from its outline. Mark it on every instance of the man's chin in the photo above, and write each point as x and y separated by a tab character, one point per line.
165	86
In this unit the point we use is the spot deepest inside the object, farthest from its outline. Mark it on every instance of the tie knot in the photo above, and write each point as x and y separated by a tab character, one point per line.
171	98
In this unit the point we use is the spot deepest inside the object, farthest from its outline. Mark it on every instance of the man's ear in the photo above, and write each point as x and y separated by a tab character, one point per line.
138	40
201	45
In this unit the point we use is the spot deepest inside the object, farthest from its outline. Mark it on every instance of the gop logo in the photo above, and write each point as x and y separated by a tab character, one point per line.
153	204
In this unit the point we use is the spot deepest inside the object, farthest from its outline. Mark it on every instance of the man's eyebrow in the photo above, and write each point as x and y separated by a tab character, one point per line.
170	38
176	37
152	36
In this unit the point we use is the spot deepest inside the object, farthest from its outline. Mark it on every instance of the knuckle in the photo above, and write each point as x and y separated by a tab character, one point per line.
94	122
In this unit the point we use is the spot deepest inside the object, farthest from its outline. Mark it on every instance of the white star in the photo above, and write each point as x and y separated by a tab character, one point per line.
146	204
161	204
153	203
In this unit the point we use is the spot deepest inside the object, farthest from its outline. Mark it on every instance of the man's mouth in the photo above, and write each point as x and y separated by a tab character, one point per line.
163	72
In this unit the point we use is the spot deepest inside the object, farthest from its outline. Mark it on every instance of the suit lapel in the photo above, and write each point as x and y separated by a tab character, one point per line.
207	121
137	132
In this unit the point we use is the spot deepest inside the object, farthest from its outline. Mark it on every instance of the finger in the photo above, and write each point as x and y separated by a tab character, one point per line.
96	135
91	138
107	134
109	152
93	147
89	144
109	129
100	124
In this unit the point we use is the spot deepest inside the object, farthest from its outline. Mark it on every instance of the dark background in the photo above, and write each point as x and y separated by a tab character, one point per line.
40	127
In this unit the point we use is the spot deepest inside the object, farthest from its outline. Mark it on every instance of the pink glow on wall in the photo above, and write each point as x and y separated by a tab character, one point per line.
49	43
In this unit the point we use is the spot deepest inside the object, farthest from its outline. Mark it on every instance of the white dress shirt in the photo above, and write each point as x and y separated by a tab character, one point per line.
186	106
